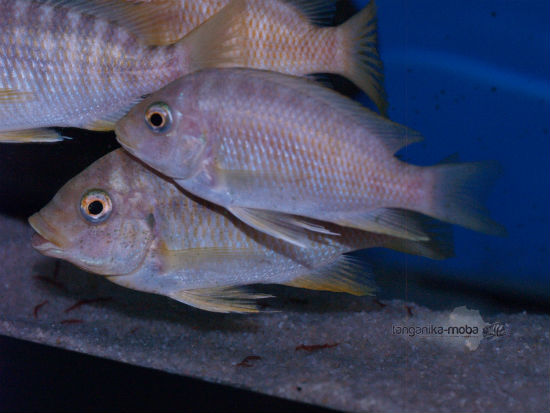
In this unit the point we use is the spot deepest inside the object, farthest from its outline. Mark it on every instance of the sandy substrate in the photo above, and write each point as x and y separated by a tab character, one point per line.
327	349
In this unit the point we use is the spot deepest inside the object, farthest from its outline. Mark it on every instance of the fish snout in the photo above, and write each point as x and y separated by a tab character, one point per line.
122	136
46	239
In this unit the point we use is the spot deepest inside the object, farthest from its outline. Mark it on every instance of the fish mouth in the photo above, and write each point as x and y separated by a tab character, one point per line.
120	135
46	239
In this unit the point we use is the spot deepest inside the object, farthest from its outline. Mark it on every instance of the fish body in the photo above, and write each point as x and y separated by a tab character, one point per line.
72	63
282	36
121	219
264	145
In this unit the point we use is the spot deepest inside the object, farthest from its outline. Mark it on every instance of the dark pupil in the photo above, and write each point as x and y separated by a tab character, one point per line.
156	120
95	208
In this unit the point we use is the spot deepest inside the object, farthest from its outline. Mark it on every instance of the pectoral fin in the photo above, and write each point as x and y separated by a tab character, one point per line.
221	300
287	227
31	135
346	275
389	221
204	258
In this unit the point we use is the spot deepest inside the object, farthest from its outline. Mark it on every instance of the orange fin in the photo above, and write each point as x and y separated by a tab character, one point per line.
31	136
221	300
364	66
346	275
173	260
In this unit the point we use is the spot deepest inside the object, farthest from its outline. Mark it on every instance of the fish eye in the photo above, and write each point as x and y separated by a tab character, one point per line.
96	206
158	117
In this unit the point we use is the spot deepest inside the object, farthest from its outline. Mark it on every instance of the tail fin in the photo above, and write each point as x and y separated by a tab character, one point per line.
363	66
459	192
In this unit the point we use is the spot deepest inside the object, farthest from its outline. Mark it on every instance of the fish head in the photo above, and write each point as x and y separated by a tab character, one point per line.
100	220
165	133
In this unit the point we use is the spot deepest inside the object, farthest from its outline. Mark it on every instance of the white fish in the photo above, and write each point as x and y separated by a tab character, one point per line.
267	147
120	219
75	63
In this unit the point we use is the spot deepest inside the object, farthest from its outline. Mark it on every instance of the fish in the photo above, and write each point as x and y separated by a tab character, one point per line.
284	36
123	220
75	64
269	147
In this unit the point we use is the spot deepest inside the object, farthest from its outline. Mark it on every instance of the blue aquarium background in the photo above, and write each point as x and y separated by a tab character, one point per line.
474	78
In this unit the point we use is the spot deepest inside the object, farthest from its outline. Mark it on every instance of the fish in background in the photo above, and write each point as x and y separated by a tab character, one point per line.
281	36
121	219
77	64
268	147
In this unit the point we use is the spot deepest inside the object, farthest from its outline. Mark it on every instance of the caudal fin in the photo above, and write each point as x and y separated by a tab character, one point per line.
459	192
363	65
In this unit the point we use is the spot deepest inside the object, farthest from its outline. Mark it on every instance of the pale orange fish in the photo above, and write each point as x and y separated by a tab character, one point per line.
281	36
121	219
268	146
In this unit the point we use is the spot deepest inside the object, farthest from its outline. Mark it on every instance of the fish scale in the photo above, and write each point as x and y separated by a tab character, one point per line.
310	137
158	239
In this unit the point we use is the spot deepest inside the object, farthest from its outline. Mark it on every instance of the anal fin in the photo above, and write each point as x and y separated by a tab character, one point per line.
438	247
287	227
221	299
346	275
389	221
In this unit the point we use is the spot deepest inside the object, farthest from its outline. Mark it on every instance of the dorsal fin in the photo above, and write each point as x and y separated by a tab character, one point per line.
393	135
316	11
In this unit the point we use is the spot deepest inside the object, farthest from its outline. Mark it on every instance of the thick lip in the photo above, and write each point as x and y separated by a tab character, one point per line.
46	240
